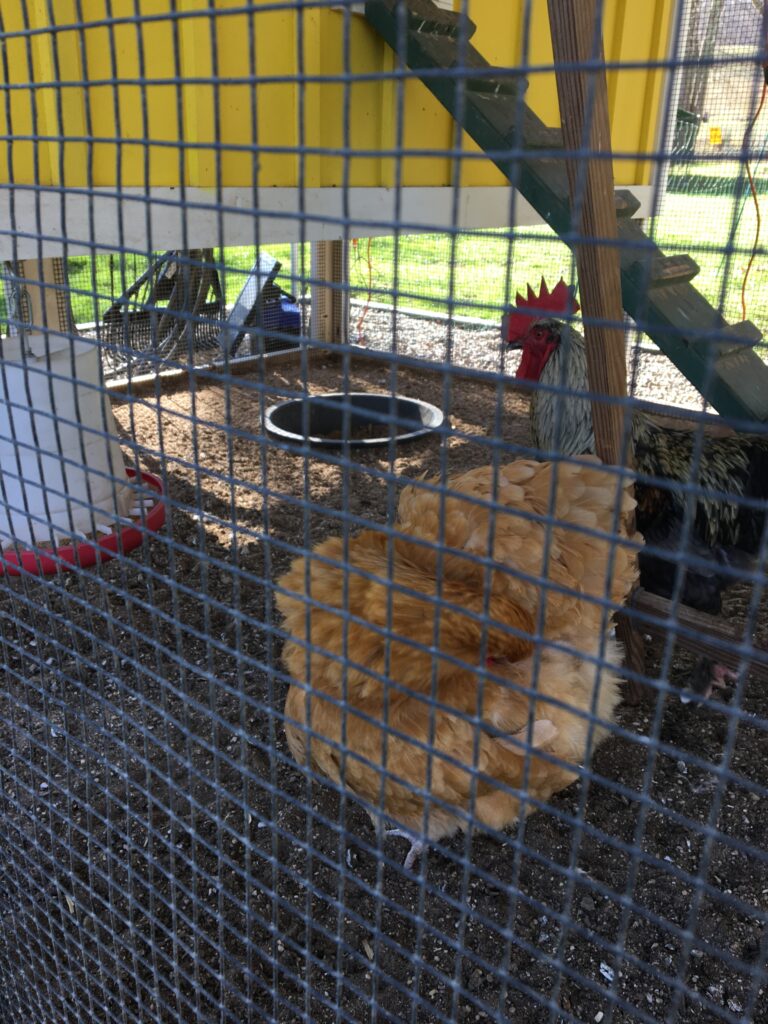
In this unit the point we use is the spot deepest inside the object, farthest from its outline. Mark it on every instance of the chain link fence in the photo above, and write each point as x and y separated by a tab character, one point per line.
341	681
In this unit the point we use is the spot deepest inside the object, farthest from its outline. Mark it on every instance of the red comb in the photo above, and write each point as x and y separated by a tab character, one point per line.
547	303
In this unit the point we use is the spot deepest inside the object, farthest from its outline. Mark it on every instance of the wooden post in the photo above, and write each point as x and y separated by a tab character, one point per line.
583	97
44	304
330	297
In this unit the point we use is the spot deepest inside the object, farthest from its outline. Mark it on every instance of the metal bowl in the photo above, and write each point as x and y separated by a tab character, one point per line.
354	418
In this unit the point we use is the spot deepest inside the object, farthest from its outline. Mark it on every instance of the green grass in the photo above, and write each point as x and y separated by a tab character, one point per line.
479	285
97	283
728	169
698	225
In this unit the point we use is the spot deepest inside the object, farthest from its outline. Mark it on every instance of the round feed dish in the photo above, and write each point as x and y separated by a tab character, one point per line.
366	418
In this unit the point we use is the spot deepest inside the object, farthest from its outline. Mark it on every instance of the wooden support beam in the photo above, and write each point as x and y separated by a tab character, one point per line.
714	638
330	292
44	304
583	97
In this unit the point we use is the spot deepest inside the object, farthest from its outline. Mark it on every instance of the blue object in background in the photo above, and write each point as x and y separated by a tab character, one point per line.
261	306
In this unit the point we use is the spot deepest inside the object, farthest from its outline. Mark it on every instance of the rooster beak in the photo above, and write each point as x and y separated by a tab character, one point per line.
514	342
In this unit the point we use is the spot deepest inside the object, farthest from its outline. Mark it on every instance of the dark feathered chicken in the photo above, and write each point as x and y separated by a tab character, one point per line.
702	587
553	354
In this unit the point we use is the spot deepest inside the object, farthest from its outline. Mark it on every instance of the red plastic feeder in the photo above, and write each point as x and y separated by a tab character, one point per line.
87	553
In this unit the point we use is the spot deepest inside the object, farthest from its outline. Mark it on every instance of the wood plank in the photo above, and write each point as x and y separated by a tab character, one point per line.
714	638
583	96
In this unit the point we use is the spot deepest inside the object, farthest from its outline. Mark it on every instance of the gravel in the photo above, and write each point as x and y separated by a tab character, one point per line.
478	346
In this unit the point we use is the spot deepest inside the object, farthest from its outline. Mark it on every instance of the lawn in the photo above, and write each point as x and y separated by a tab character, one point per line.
97	283
488	269
728	170
711	231
706	227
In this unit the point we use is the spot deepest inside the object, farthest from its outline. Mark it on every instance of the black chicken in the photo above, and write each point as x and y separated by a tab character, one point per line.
724	533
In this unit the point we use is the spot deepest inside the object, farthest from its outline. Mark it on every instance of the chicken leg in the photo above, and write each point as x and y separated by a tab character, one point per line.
705	678
417	846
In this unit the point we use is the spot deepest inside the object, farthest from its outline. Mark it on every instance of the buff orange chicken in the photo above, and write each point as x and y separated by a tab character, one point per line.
418	685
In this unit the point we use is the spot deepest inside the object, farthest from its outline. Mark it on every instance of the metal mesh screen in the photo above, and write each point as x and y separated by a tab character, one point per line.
173	305
331	690
717	143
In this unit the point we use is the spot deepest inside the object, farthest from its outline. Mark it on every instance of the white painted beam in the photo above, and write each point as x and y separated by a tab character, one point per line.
103	220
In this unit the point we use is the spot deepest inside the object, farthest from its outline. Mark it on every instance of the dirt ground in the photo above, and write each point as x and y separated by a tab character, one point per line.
162	858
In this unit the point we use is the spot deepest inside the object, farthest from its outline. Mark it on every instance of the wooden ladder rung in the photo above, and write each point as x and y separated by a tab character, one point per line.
714	638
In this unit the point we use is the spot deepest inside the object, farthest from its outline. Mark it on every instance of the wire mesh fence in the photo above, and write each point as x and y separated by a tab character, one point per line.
717	145
172	306
341	681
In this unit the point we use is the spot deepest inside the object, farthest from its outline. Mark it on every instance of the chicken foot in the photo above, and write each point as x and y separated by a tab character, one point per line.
706	677
543	731
417	846
722	678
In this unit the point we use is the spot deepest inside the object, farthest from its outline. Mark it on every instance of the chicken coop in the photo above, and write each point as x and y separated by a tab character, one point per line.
384	466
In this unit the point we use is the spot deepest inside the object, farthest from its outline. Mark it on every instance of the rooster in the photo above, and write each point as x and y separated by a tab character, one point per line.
724	533
387	641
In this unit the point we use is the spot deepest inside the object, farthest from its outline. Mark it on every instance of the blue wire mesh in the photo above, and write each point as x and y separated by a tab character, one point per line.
163	857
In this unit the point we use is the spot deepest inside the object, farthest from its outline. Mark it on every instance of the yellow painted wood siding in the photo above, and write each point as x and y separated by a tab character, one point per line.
214	96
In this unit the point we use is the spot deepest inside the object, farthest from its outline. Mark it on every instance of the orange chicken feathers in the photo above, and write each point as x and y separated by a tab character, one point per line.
386	613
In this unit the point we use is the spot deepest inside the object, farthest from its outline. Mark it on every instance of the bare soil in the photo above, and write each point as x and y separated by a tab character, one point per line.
163	859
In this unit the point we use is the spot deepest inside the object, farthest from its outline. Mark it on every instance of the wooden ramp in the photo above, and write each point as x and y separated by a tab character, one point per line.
656	289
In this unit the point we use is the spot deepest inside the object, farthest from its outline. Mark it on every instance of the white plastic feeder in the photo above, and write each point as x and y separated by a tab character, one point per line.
59	475
64	479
